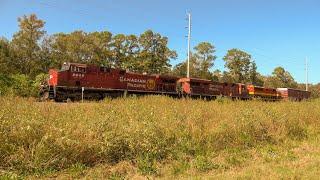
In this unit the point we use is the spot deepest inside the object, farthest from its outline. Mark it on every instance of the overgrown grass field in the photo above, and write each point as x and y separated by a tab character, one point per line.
159	137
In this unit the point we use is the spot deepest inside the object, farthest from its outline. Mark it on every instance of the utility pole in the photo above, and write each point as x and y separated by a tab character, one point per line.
189	38
306	69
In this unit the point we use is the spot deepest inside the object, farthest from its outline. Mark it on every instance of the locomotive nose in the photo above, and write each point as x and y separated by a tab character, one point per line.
53	77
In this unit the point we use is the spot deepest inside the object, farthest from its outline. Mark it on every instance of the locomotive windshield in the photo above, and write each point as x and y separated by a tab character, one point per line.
78	69
65	67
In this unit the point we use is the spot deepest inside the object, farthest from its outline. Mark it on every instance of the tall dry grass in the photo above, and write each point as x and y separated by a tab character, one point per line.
148	133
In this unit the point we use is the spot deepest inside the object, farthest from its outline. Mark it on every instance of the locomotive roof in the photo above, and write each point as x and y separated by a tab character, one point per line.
129	72
77	64
262	87
291	89
199	79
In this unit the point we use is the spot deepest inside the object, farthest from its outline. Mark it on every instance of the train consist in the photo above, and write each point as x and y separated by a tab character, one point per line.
76	81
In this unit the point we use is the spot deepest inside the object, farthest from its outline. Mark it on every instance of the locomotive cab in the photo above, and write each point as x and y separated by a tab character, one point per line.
78	73
65	67
183	86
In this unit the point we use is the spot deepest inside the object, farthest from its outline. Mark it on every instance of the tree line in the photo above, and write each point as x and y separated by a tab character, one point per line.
26	58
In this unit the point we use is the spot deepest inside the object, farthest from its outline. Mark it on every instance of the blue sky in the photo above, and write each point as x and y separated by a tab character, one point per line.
274	32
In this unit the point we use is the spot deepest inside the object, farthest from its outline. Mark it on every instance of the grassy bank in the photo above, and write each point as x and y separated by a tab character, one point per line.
159	137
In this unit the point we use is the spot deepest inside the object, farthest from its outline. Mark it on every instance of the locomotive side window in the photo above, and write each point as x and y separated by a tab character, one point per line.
205	84
105	69
83	70
195	84
169	80
122	72
78	69
65	67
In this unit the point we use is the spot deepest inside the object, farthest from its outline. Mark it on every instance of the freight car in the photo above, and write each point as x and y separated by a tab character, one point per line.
293	94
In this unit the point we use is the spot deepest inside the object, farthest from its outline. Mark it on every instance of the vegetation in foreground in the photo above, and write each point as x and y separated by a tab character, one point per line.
159	137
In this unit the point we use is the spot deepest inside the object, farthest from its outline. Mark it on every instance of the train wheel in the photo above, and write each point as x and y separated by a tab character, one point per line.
68	100
44	97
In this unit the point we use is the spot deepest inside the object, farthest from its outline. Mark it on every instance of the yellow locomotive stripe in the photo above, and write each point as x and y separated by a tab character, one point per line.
263	94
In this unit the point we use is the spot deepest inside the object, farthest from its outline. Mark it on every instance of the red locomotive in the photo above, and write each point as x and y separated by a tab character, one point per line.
76	81
210	89
99	82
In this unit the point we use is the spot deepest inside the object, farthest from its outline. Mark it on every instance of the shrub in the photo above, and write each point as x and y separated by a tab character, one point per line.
147	164
203	164
5	84
22	85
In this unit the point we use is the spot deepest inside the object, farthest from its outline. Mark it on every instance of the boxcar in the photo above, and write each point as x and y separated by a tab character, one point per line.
293	94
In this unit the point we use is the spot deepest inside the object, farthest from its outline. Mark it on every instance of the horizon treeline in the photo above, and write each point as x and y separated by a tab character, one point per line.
26	59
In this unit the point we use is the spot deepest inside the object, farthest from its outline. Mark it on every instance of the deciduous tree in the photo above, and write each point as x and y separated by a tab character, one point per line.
181	68
6	55
255	77
280	78
204	55
238	62
154	54
201	61
82	47
26	45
